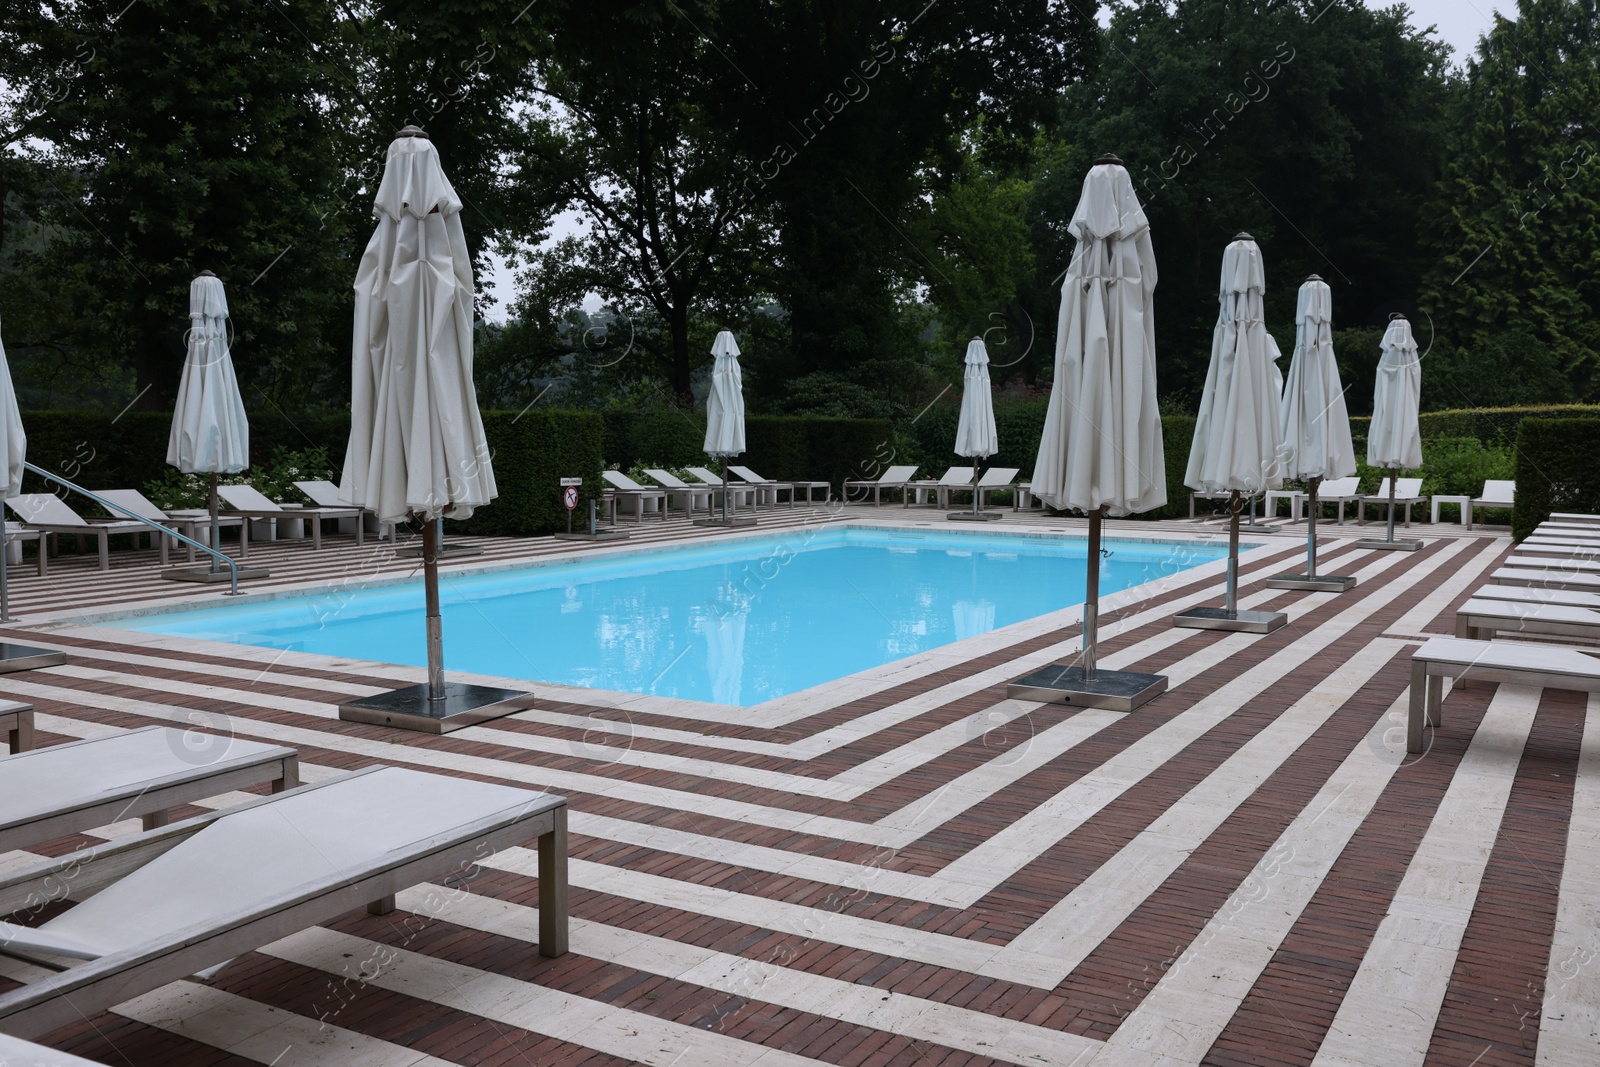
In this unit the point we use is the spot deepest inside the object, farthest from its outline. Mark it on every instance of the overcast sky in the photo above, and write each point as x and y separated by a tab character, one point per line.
1459	22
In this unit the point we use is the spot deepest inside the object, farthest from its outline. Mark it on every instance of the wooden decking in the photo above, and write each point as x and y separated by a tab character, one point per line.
909	868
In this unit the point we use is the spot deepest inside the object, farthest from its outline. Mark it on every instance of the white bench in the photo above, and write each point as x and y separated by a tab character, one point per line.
1490	661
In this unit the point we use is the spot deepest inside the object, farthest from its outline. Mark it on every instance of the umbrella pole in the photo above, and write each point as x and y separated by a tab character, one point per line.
1311	531
216	534
975	488
725	489
430	581
1091	597
1234	507
5	553
1393	477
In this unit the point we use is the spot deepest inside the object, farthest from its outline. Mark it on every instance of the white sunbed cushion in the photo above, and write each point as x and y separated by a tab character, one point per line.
38	783
47	509
300	841
246	498
324	494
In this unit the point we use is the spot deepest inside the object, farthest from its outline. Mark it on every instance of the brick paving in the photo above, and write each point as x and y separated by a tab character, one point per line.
916	871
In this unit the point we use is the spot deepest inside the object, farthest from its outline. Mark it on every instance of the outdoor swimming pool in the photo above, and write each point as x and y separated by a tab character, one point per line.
736	622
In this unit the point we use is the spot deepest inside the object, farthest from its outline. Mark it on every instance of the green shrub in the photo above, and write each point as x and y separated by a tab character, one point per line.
533	450
1556	470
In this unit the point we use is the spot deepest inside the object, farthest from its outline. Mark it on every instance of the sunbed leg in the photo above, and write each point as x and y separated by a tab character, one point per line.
381	906
1418	702
22	734
157	818
291	775
105	550
553	887
1436	701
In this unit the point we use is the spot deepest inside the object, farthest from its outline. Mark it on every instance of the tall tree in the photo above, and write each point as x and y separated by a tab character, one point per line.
1316	125
1517	228
202	135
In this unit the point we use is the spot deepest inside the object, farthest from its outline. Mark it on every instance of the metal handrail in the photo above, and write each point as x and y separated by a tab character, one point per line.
233	566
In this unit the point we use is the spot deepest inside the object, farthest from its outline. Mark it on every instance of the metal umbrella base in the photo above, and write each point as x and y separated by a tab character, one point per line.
1112	690
1250	622
445	550
410	708
598	535
728	521
1397	545
27	658
206	574
978	516
1319	583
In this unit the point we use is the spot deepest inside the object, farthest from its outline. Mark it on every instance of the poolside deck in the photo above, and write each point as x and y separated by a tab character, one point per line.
908	868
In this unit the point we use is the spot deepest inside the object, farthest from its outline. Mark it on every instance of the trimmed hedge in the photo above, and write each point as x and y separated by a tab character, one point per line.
533	451
1556	470
1489	425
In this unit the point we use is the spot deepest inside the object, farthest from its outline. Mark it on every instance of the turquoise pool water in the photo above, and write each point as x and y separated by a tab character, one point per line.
733	623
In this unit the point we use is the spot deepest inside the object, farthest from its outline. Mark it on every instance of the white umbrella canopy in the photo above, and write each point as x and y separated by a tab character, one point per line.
1394	440
210	434
417	445
1236	437
975	433
725	403
13	441
1312	418
1101	446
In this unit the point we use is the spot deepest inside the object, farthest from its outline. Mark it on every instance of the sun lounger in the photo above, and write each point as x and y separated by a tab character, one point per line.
675	486
1407	492
250	502
1511	662
16	723
1558	550
1338	491
893	478
1575	517
195	524
1496	494
64	789
990	481
15	1052
1534	594
1571	530
187	898
324	494
1546	577
1482	618
621	487
737	491
1568	565
748	475
766	489
935	487
46	513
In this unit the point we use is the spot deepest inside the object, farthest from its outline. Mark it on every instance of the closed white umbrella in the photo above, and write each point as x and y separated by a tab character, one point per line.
1313	421
1237	447
210	434
1101	450
417	445
13	453
1394	439
725	408
975	433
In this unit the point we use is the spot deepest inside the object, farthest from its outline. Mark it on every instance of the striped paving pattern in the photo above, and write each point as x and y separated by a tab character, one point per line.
905	867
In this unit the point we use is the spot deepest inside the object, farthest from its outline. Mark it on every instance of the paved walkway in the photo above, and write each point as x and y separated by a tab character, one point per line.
908	868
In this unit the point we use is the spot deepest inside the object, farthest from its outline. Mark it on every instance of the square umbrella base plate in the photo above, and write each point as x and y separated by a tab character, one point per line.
730	521
1322	583
410	708
1256	527
598	535
27	658
1112	690
982	516
206	574
1250	622
1393	546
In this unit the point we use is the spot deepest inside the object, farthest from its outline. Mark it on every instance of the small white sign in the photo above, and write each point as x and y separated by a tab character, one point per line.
572	481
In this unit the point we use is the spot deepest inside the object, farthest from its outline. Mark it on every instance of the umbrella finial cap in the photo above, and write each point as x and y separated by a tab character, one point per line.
1393	315
1108	157
409	130
1242	236
205	274
1314	277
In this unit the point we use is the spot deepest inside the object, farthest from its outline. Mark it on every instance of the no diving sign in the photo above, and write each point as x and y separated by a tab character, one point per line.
569	497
